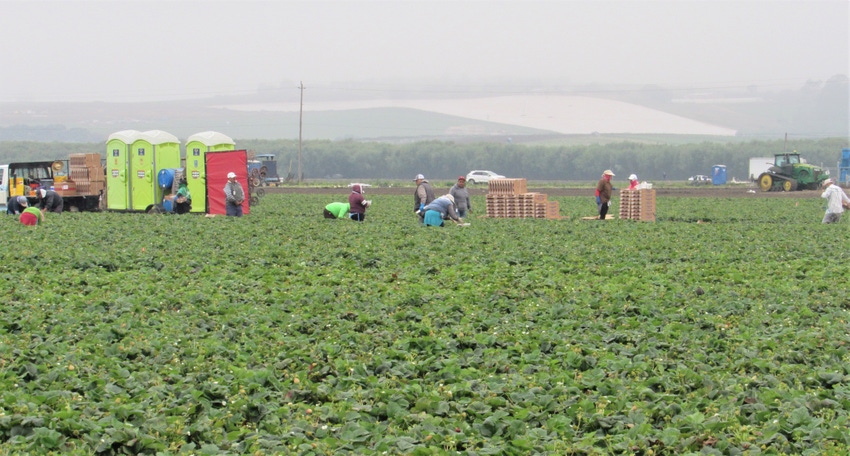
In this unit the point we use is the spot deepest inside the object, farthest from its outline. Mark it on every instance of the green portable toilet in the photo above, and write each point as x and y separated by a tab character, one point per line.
143	167
166	155
197	146
141	174
118	169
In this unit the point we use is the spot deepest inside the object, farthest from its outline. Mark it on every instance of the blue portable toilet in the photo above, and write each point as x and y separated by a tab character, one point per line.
844	167
718	174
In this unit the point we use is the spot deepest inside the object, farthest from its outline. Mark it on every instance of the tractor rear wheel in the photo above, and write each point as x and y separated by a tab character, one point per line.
765	182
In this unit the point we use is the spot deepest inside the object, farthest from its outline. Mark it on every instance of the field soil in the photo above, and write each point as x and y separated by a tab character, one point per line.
702	192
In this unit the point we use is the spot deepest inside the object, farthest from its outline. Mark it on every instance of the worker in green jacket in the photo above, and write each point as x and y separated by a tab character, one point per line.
337	210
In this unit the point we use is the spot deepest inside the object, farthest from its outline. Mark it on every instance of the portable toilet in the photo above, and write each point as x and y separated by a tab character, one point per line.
151	151
718	174
118	169
197	146
844	168
166	155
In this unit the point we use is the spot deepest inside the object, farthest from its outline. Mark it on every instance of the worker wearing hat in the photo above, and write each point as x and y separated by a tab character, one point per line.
633	182
357	203
16	205
836	201
234	196
423	195
603	193
49	200
461	195
440	209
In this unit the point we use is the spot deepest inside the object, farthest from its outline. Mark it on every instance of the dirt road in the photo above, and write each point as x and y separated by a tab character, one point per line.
703	192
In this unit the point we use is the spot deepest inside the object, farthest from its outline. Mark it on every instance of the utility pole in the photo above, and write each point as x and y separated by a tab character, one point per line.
300	123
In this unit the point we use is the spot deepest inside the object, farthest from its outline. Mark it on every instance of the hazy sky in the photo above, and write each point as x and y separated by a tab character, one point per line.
134	50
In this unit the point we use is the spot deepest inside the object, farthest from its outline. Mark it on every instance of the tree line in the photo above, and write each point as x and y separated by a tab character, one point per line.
447	160
323	159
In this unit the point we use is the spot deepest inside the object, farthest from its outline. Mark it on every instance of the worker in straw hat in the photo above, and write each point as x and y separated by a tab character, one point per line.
603	193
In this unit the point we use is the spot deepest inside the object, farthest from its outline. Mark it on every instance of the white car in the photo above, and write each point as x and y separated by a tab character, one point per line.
699	179
482	177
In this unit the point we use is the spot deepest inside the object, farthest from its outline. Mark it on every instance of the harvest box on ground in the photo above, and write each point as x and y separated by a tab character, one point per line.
508	198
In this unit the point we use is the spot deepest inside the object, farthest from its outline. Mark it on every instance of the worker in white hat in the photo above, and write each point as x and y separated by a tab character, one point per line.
234	196
16	205
603	193
633	182
423	195
836	201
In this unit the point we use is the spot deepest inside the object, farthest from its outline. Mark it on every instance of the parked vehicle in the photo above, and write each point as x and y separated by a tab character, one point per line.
81	185
759	165
699	179
482	177
263	170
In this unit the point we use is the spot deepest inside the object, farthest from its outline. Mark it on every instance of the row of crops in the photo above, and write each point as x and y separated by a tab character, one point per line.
721	328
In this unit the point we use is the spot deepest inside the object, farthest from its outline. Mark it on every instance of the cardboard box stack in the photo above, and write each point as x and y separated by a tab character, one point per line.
86	171
509	198
637	204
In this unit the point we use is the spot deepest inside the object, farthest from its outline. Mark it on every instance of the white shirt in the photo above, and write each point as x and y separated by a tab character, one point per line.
834	197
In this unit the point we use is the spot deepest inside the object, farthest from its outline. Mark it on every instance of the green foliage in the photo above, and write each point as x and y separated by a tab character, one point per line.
446	160
282	332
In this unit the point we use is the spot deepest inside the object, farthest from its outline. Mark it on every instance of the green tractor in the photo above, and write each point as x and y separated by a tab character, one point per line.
789	173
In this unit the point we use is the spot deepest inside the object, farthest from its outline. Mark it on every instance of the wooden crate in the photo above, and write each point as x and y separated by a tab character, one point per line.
507	186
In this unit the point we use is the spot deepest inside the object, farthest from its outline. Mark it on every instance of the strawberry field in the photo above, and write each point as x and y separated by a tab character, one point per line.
721	328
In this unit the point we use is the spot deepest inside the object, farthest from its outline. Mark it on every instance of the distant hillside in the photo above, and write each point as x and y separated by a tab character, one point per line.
816	111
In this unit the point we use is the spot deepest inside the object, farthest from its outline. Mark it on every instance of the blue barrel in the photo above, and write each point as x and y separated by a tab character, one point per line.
718	174
166	177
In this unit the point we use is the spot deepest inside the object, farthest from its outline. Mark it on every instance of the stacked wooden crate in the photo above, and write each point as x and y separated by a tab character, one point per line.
509	198
637	204
86	171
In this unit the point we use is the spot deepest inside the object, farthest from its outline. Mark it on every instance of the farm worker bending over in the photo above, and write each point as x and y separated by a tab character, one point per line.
358	204
603	191
49	201
423	195
234	196
836	200
461	195
440	209
16	205
633	182
31	216
336	210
